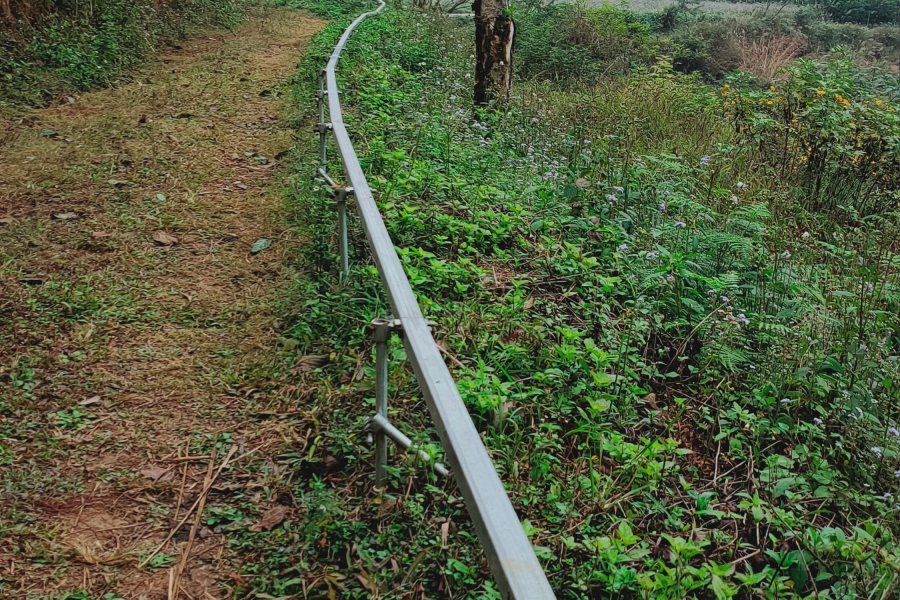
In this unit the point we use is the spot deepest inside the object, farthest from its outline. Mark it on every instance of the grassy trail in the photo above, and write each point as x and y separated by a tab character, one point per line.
137	323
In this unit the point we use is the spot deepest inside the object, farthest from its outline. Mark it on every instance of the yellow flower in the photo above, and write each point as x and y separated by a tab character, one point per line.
820	92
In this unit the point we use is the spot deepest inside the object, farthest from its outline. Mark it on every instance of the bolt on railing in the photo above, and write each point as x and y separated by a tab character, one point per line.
513	564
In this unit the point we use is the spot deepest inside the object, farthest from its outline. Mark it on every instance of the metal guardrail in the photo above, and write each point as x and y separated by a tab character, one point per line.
515	567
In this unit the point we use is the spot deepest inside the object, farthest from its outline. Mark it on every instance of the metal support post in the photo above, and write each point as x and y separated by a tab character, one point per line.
322	128
340	195
381	333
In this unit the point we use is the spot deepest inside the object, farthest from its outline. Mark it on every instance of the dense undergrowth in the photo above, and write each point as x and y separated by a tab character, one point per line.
867	12
563	41
670	309
78	47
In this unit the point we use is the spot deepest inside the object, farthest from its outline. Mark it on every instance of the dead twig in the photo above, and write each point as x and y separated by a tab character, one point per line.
207	484
190	511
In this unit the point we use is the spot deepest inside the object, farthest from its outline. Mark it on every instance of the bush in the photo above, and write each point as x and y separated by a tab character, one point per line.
832	128
710	47
568	41
867	12
79	50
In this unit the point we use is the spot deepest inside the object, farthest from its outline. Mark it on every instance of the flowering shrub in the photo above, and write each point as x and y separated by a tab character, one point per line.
831	127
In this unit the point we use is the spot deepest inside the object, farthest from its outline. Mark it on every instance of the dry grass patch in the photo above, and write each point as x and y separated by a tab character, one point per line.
133	311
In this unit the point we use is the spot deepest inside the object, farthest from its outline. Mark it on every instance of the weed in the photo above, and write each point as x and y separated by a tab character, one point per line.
666	345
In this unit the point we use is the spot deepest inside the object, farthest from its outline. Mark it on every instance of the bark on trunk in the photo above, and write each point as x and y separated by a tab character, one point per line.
494	34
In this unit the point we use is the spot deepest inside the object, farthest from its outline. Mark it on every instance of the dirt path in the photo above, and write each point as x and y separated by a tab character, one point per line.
135	319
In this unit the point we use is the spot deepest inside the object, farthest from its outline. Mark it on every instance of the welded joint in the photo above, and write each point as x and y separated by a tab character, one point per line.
382	329
341	193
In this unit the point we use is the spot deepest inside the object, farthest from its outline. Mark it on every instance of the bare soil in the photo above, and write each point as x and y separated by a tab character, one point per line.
135	319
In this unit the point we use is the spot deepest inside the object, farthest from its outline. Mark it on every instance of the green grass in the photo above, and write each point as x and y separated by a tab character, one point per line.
683	370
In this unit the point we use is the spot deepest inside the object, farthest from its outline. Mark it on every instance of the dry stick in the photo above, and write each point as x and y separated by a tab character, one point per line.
193	506
207	483
171	591
184	470
188	458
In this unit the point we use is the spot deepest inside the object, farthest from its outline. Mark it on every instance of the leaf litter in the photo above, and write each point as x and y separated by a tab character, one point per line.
156	358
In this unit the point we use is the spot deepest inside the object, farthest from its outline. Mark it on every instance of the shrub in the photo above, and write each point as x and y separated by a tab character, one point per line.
542	50
710	47
81	49
867	12
833	128
571	41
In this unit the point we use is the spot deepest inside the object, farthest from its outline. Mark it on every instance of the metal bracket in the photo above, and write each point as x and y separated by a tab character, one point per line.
381	329
341	193
377	423
323	128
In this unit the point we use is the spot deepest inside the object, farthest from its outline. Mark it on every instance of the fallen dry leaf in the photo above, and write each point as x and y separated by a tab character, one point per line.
161	237
91	400
64	216
273	517
100	234
386	506
310	362
651	400
158	474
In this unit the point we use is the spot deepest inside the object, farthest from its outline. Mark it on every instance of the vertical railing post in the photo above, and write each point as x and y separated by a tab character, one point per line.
381	334
341	199
322	125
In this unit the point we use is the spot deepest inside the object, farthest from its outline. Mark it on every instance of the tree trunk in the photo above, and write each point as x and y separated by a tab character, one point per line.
494	33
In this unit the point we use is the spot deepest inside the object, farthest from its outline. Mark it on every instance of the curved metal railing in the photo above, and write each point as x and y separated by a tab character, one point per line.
514	566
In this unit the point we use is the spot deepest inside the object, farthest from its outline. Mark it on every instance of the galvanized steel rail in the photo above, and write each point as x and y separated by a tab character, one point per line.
515	567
